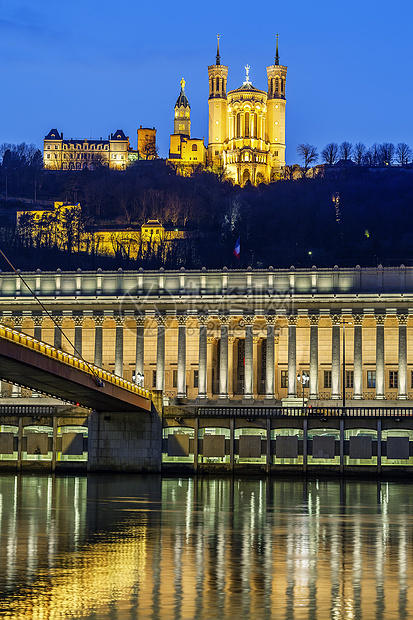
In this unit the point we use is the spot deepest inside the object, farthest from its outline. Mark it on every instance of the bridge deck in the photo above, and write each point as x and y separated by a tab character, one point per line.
39	366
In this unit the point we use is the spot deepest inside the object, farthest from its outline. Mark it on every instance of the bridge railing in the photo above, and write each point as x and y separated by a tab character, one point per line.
70	360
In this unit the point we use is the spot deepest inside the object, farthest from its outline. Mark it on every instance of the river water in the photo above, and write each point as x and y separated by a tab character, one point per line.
203	548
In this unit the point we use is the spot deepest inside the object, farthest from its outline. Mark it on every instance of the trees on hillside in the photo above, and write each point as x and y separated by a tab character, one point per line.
385	154
308	154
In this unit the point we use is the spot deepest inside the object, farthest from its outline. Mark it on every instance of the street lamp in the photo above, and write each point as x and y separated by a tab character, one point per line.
304	378
139	379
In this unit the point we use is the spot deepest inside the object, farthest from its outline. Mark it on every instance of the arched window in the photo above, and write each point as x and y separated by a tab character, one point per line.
212	85
238	125
217	84
272	86
254	126
276	85
282	85
247	125
194	147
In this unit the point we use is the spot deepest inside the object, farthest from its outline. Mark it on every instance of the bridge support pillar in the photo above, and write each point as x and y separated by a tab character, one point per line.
126	441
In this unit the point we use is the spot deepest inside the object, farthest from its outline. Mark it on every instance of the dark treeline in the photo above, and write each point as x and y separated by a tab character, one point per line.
358	217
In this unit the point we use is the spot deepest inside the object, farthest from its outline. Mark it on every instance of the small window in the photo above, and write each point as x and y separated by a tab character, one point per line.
56	147
393	379
349	378
371	378
327	379
154	378
48	146
194	147
276	153
48	155
284	378
216	152
196	375
174	378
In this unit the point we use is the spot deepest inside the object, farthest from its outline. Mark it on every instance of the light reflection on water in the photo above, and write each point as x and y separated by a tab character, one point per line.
146	547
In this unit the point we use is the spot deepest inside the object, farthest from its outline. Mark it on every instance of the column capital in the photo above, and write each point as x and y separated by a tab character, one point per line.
119	320
99	320
202	319
314	319
358	319
380	319
271	319
224	319
37	320
58	320
78	320
248	319
17	320
292	320
160	319
336	319
402	319
181	319
140	320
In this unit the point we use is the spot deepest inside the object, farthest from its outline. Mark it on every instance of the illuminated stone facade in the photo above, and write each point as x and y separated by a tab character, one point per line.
186	154
241	335
247	125
225	349
60	154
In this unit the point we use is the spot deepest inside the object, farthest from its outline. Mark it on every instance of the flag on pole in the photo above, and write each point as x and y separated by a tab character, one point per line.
237	249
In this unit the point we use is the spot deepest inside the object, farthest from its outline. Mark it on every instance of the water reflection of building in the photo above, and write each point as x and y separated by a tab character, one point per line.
205	548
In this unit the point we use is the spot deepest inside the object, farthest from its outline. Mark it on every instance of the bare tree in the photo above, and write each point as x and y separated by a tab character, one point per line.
149	148
359	153
373	155
386	153
403	154
345	150
308	154
329	153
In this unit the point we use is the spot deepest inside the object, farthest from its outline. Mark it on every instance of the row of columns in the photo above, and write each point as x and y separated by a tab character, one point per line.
338	322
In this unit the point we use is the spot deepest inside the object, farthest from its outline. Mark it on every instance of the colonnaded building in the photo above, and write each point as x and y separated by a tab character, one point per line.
227	350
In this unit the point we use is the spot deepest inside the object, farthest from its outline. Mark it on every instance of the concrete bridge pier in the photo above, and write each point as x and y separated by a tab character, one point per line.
127	441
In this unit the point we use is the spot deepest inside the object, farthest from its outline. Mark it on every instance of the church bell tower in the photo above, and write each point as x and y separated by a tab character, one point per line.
182	113
277	77
217	102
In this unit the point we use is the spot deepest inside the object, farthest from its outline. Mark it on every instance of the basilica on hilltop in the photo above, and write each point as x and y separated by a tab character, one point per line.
246	137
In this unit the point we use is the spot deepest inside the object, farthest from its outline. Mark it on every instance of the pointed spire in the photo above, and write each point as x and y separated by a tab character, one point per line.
277	58
218	57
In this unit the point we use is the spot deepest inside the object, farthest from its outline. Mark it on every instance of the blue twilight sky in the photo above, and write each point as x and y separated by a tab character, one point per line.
89	67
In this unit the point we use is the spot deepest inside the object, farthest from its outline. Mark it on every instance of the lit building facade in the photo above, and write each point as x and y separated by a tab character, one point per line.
225	349
247	125
186	154
60	154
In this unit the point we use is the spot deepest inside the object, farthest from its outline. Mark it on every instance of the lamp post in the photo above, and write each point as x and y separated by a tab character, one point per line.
139	379
304	378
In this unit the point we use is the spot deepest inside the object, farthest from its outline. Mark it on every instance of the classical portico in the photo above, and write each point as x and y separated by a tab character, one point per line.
231	336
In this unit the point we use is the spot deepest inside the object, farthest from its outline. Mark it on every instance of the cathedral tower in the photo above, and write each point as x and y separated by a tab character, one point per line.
182	118
276	76
217	101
